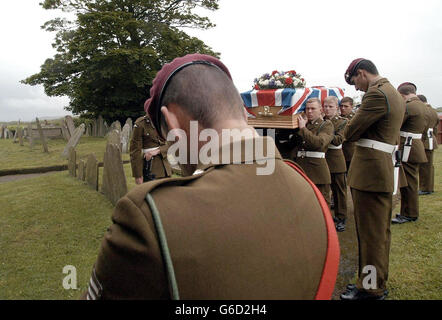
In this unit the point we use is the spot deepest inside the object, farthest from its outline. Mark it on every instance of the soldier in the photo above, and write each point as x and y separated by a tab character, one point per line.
336	162
347	112
413	152
148	152
375	131
429	138
222	231
310	142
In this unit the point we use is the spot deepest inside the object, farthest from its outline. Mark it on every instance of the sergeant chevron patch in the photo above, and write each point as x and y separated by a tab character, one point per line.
95	288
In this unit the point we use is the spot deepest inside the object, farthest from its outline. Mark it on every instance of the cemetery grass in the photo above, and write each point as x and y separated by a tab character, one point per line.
52	221
16	157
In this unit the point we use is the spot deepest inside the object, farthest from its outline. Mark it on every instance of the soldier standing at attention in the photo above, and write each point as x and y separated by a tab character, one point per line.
429	138
413	152
336	162
148	152
375	131
347	112
311	141
222	231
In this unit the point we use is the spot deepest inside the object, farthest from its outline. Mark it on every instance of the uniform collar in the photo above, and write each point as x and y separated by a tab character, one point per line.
413	99
378	82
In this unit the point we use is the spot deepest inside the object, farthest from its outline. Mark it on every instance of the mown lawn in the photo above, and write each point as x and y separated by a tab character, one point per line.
55	220
14	156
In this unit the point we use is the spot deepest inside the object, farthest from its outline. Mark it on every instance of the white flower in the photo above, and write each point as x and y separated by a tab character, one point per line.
278	83
266	82
261	82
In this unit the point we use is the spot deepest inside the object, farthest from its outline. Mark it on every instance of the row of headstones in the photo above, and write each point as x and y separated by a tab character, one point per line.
21	133
114	185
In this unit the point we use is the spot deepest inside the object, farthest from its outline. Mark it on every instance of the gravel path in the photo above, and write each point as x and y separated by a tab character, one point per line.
18	177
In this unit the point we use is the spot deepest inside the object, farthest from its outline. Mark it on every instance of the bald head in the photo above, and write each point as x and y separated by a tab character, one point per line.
206	94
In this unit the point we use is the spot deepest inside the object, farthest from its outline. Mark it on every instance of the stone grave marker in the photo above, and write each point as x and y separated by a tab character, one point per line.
125	136
130	123
72	162
70	125
116	125
30	138
81	170
2	132
65	131
73	141
42	136
20	135
114	137
100	127
92	171
114	180
6	133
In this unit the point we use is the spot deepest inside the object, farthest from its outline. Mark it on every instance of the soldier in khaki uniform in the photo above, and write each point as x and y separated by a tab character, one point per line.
225	231
375	131
336	162
146	145
310	143
413	152
429	138
347	112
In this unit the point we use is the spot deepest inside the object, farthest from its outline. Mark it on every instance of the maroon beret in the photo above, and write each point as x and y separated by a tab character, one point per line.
352	69
407	84
153	105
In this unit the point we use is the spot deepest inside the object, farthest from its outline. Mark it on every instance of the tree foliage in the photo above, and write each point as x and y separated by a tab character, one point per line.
108	55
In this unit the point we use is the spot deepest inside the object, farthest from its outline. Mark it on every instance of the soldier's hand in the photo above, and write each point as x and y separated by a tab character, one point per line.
139	180
302	122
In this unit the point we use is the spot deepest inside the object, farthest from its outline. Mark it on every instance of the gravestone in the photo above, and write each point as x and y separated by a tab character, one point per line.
11	135
2	132
100	127
65	131
125	136
92	171
130	123
81	170
89	130
70	124
106	129
20	135
114	137
114	180
73	141
15	135
94	128
6	133
116	125
31	140
42	136
72	162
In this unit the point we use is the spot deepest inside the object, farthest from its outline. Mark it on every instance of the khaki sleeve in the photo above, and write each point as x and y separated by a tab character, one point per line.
129	264
373	107
136	145
338	138
317	142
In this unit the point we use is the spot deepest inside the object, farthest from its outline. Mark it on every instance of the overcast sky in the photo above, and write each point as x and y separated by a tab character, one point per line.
316	38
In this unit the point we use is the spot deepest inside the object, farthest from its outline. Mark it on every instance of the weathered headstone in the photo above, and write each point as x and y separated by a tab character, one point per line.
70	124
106	128
20	135
72	162
2	132
11	135
114	180
89	130
15	135
92	171
6	133
81	170
30	138
65	131
73	141
130	123
95	128
116	125
125	136
42	136
100	126
114	137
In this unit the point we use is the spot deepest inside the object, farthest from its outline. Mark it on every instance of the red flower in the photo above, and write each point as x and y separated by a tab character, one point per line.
256	87
274	72
293	72
288	81
302	79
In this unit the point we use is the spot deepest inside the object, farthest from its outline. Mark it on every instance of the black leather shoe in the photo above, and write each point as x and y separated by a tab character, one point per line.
340	225
355	294
424	193
402	219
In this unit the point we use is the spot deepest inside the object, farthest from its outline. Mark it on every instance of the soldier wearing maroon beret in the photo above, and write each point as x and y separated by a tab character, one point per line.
373	174
227	230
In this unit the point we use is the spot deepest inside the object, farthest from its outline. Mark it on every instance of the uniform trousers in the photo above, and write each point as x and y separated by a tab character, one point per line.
426	173
372	212
324	189
409	194
338	189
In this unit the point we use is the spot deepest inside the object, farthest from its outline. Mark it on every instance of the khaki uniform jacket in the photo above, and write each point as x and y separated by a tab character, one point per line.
415	122
315	136
232	234
379	118
348	147
335	157
145	136
432	119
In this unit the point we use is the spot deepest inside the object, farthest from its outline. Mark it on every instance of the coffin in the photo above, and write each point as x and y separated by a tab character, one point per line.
281	108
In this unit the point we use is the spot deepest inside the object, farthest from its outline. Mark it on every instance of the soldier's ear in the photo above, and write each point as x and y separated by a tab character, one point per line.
171	118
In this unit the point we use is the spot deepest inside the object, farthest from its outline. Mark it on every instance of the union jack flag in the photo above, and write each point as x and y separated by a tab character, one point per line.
291	101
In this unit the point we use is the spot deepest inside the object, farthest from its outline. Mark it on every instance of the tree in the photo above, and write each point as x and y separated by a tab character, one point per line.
109	54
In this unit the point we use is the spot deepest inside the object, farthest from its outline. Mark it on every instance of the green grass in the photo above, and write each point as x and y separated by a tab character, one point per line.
55	220
14	156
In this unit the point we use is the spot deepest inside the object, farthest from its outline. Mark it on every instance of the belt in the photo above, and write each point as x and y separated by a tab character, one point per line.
387	148
430	138
311	154
332	147
150	149
412	135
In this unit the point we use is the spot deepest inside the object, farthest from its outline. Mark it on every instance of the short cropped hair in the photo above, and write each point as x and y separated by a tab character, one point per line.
422	98
314	100
206	93
332	98
368	66
347	99
407	89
